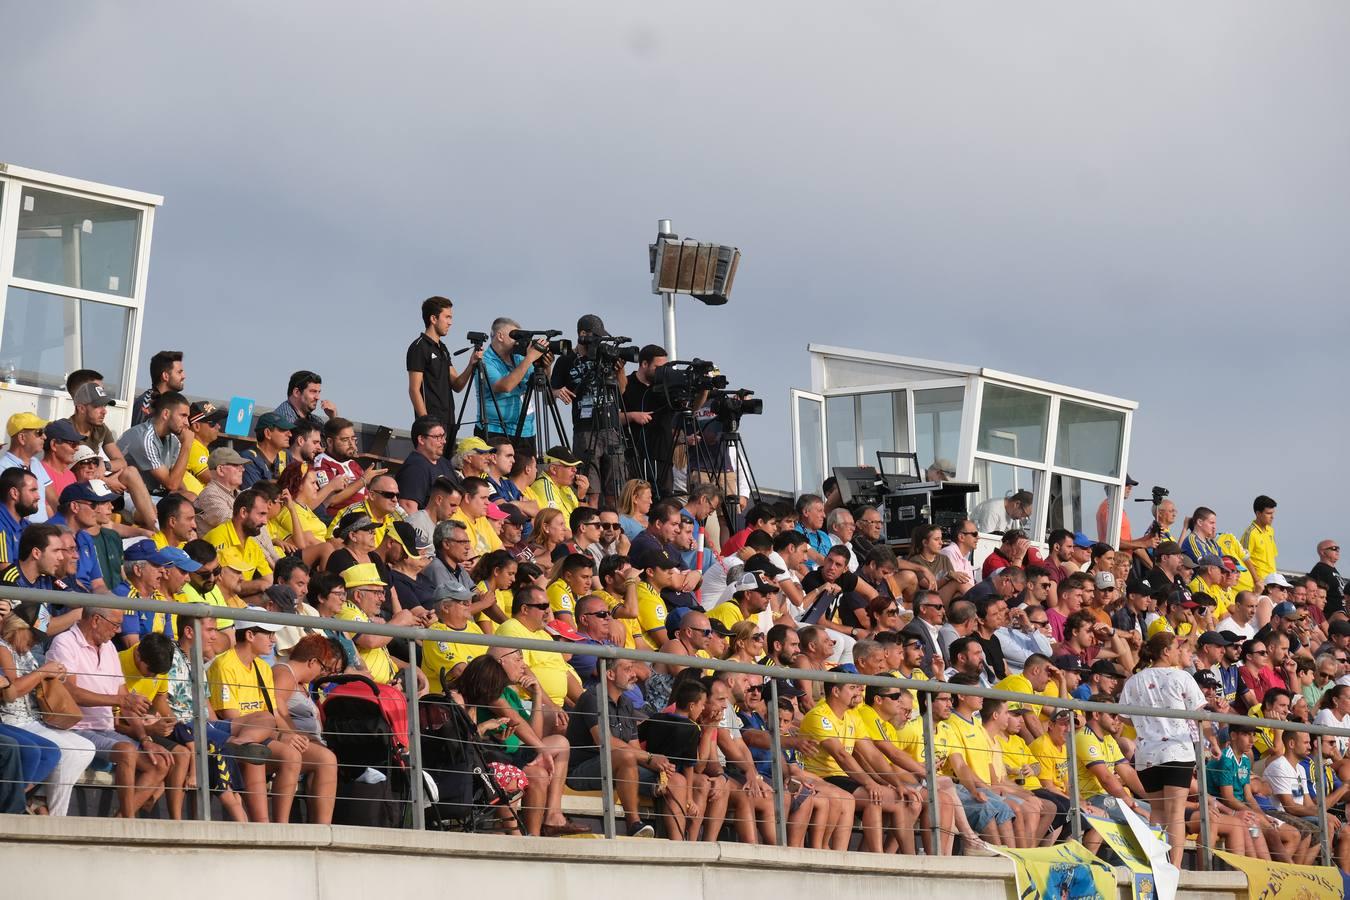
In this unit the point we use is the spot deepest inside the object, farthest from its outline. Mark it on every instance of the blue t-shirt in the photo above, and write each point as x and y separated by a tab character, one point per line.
10	532
10	461
819	541
88	568
499	413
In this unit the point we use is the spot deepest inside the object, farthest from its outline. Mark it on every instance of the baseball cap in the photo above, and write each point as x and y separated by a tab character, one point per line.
1129	480
353	521
179	560
720	627
560	456
1277	580
1138	585
1209	559
514	515
1233	564
1168	548
1082	541
1287	610
592	324
206	411
83	453
1058	714
63	430
231	558
563	629
1340	627
1207	680
751	580
496	513
24	421
272	420
85	492
146	551
1105	580
225	456
1107	667
259	626
450	590
362	575
1068	662
762	564
1187	562
91	393
1213	639
1232	636
658	559
474	444
413	542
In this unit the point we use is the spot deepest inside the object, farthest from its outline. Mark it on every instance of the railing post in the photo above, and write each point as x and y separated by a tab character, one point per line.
1202	848
1075	791
1319	778
606	763
197	672
417	792
780	807
930	763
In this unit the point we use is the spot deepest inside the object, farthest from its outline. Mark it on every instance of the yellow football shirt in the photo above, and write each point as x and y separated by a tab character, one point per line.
439	658
1261	550
1016	754
728	613
651	612
1054	762
224	535
148	686
481	532
233	685
820	725
560	598
873	727
378	662
1094	751
551	669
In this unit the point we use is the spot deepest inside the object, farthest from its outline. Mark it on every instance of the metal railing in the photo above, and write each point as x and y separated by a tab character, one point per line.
606	654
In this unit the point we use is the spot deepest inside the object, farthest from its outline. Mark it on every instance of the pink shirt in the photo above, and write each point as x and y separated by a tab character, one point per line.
95	669
959	562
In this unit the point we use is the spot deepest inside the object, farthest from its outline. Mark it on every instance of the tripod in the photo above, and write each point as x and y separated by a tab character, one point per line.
478	386
600	389
539	399
703	459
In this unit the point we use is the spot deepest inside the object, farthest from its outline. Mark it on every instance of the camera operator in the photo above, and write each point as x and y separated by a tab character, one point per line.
508	374
596	438
651	423
431	377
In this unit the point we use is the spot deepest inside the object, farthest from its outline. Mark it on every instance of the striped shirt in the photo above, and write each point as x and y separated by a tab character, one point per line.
145	450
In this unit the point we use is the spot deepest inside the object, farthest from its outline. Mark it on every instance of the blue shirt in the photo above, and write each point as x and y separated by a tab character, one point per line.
504	491
499	413
1196	547
87	570
10	530
258	469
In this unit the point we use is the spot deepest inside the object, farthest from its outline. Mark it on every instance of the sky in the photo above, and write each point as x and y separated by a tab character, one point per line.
1142	199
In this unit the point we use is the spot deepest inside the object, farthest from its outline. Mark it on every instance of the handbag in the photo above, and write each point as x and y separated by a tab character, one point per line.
59	709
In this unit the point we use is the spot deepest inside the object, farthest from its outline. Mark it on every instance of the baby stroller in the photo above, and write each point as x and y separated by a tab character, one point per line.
366	726
457	763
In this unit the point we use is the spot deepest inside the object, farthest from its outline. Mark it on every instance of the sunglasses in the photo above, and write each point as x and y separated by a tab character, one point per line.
610	526
388	495
1039	623
755	688
895	696
593	522
967	534
208	573
535	605
599	614
930	606
1333	549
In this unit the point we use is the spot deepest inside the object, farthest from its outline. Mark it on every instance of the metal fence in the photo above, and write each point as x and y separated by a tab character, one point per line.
605	654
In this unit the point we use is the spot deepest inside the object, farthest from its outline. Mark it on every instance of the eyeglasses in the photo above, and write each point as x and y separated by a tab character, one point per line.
1039	623
599	614
595	522
1260	653
436	436
388	495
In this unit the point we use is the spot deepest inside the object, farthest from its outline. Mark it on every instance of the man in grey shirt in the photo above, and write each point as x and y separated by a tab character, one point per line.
447	570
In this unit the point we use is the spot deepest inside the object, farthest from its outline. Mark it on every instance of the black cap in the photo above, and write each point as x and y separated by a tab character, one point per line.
1068	662
762	564
1107	667
717	626
1129	480
657	559
1340	627
514	515
1213	639
1206	679
1138	585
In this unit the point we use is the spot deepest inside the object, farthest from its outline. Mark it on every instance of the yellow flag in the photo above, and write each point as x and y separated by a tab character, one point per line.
1283	881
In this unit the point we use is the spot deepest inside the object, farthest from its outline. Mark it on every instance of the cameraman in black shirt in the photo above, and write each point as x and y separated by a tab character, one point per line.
596	436
651	423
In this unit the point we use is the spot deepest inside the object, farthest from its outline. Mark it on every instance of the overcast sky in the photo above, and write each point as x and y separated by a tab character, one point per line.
1143	199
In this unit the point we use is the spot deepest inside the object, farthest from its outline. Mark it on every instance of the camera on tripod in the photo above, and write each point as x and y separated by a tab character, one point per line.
682	382
477	338
729	406
608	350
547	341
1157	496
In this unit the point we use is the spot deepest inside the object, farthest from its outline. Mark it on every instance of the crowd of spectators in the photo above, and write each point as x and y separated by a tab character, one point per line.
490	535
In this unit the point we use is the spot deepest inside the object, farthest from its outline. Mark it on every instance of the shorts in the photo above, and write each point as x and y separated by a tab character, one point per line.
585	776
1113	807
224	769
1172	774
843	782
992	810
104	742
1061	806
522	756
1305	824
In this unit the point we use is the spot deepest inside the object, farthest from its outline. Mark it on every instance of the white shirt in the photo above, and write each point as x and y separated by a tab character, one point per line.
1285	778
1247	631
788	575
1163	740
1328	718
715	588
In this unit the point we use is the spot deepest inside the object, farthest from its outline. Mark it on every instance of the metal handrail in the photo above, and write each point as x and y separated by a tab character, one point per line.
607	652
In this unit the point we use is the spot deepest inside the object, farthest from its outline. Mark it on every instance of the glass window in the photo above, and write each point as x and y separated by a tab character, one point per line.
999	503
810	458
840	432
877	418
1080	505
76	242
1013	422
937	426
46	337
1088	438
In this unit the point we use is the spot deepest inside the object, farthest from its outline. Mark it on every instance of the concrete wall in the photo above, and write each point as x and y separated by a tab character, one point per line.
109	859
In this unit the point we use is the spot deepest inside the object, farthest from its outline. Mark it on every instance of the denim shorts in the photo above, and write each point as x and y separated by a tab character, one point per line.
993	809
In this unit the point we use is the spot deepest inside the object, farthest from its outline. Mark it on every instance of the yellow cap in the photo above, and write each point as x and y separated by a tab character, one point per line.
230	557
362	575
25	421
473	444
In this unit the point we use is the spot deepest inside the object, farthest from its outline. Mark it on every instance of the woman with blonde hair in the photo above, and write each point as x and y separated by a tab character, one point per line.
634	501
747	642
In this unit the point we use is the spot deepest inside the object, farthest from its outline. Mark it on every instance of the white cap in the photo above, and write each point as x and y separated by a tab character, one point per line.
1275	579
261	626
1105	580
82	454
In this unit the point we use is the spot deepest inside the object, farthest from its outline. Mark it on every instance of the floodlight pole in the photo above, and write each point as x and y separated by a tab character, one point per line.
668	300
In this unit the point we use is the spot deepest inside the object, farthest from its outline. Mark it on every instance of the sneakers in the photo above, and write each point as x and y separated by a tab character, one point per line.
976	847
640	829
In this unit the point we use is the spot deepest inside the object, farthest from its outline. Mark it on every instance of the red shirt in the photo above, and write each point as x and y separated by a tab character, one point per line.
997	560
1264	679
327	469
735	542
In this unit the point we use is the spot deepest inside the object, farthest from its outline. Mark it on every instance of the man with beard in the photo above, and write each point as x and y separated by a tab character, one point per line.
241	532
18	501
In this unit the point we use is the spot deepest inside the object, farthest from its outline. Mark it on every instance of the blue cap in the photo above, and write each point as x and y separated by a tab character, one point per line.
1082	540
175	557
146	551
84	491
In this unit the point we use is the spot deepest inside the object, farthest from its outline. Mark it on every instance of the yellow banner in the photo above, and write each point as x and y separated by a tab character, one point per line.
1120	839
1063	872
1282	881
